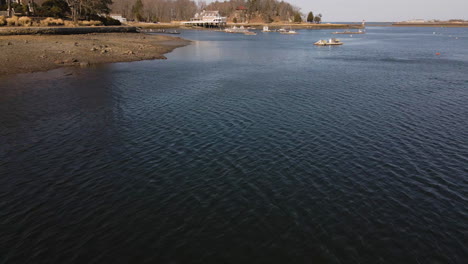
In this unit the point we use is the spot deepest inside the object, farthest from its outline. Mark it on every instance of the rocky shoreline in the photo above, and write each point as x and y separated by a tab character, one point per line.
32	53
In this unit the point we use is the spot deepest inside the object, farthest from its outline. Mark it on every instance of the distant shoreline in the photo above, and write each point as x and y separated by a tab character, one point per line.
255	25
431	24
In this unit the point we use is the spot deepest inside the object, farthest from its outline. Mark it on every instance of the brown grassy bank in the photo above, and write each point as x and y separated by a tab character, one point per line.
63	30
31	53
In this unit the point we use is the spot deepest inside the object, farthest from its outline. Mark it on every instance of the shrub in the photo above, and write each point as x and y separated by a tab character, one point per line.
12	21
95	23
90	23
105	20
54	8
52	22
69	23
109	21
25	21
2	21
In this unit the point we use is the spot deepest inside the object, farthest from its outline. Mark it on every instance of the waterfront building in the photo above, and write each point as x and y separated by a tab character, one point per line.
207	19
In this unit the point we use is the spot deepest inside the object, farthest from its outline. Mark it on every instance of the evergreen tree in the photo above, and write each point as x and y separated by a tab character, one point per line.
93	8
137	9
54	8
310	17
297	18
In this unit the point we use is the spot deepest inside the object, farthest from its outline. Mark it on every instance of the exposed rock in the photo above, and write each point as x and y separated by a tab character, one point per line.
70	61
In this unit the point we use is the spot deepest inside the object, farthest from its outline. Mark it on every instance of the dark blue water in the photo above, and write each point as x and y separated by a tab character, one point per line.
243	149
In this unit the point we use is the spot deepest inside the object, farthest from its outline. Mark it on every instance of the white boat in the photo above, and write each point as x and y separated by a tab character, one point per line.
330	42
288	32
235	29
266	29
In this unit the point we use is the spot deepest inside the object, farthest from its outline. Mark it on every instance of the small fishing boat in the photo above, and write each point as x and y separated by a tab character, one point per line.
330	42
250	33
266	29
288	32
235	29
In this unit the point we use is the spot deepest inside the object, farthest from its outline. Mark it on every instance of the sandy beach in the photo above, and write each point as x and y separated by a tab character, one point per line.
32	53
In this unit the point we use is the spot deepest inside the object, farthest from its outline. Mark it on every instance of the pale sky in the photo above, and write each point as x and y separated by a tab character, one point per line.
384	10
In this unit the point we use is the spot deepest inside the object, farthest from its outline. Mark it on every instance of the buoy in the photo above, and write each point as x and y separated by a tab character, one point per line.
438	53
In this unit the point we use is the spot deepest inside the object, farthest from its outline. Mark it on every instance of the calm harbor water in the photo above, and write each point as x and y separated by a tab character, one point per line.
243	149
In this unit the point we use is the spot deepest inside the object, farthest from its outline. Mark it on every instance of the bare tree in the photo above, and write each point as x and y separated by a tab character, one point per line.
74	7
167	10
9	8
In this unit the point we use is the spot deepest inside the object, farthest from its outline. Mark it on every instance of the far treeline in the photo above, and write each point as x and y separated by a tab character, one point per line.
253	11
265	11
74	9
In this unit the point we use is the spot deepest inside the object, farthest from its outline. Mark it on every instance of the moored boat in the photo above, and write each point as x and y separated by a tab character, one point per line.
235	29
330	42
289	32
350	32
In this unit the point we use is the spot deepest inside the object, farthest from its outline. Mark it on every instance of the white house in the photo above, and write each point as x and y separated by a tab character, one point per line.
207	19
